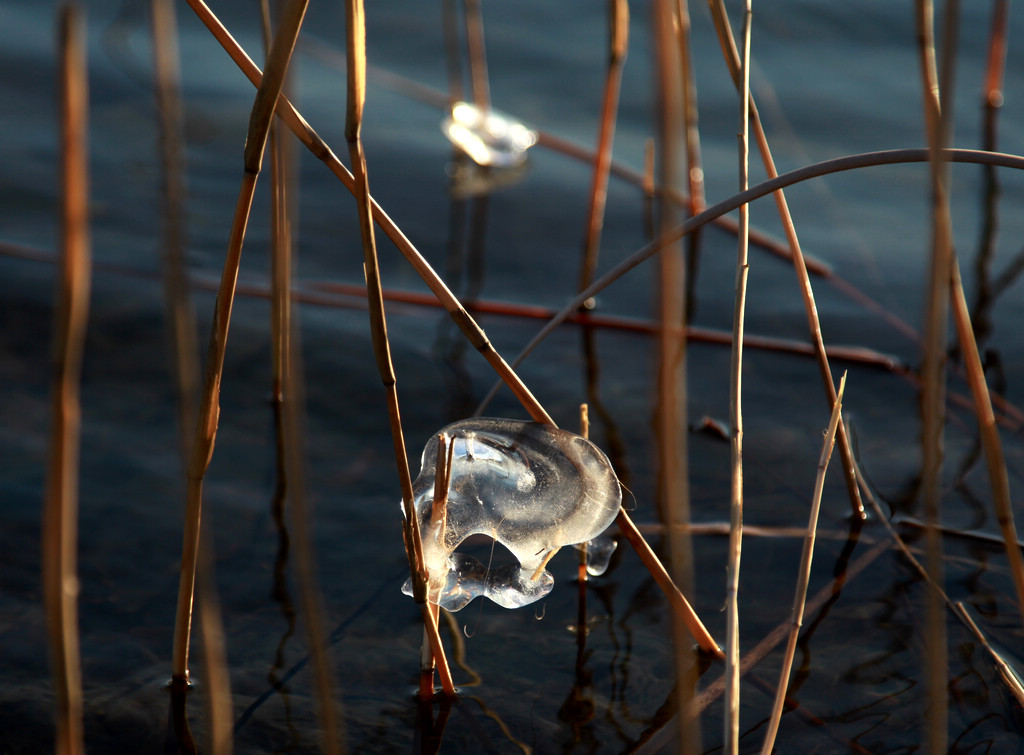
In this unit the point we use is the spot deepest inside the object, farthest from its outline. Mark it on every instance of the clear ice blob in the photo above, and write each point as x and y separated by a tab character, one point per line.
531	487
488	137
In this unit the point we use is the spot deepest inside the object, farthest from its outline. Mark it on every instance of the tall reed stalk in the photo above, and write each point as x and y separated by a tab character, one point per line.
733	63
933	379
60	511
671	296
209	410
356	98
618	12
179	313
732	586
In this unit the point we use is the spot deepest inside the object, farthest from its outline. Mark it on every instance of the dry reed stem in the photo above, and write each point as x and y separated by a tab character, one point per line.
989	432
732	581
933	376
582	576
804	574
179	312
321	151
799	263
598	196
671	290
209	410
450	30
479	79
356	98
438	526
281	208
71	311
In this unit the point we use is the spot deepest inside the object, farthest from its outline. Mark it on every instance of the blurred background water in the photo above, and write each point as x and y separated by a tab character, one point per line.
830	80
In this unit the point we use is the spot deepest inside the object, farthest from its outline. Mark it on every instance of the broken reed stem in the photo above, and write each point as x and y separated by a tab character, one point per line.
356	98
804	575
618	11
988	431
179	312
473	332
933	377
71	311
732	642
728	45
209	410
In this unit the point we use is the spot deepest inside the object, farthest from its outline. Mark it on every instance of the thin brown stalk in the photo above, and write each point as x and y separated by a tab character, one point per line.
670	290
60	512
804	575
356	99
989	432
732	580
694	166
479	80
179	312
281	210
473	332
732	58
438	526
933	376
618	11
209	410
695	199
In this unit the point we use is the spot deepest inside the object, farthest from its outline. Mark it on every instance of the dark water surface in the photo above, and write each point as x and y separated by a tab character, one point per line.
831	80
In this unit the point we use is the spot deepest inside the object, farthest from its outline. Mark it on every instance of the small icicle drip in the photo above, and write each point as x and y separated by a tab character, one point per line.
533	488
487	136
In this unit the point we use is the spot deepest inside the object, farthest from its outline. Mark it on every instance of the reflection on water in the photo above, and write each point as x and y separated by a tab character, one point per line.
527	685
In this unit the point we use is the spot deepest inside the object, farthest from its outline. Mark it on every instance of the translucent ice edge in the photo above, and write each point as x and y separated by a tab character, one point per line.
509	586
599	554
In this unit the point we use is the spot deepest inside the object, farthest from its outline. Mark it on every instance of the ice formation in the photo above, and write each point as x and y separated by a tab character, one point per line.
531	487
487	136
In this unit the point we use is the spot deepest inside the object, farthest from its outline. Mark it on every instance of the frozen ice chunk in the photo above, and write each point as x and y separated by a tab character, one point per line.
599	553
531	487
487	136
